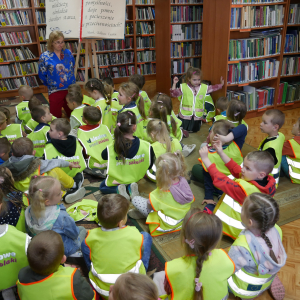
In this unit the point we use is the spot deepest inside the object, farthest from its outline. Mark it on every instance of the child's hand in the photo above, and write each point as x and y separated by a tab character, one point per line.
221	138
175	79
73	165
222	80
203	152
217	144
208	202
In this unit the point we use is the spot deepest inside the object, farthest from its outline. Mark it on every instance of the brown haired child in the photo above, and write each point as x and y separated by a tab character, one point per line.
22	111
11	131
74	101
5	147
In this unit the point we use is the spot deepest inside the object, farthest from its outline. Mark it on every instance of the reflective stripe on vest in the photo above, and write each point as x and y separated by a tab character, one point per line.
170	221
229	221
99	291
233	204
295	164
168	230
293	174
252	280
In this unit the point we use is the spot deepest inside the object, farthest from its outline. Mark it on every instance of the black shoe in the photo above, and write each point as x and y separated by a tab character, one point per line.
78	179
100	173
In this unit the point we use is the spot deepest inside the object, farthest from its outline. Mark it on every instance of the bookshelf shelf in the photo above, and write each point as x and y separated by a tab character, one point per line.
12	9
15	26
43	24
15	61
291	25
143	5
18	45
187	4
255	28
19	76
152	34
181	23
183	41
290	76
255	58
185	57
291	53
142	49
251	82
259	4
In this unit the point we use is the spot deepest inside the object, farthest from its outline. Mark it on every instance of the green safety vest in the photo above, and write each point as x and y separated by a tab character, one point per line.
88	100
106	114
39	139
31	124
13	256
221	117
181	272
115	96
247	285
121	250
94	142
147	101
23	112
294	162
21	222
12	132
134	168
139	122
178	123
101	105
277	145
167	215
229	210
58	285
115	107
51	153
77	113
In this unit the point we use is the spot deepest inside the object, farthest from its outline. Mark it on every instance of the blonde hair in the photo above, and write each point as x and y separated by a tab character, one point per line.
26	91
236	110
169	167
54	35
109	92
40	189
2	117
158	132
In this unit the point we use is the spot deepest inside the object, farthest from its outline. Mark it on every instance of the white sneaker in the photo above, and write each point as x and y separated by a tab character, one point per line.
122	191
134	190
188	149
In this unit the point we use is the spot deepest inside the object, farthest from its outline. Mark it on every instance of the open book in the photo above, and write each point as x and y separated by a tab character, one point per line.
99	19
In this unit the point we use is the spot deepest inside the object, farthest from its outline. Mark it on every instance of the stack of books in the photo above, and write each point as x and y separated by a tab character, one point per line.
288	92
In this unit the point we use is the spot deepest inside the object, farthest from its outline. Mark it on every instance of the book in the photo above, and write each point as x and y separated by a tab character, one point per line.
290	92
14	18
294	14
15	38
292	41
16	54
186	49
186	13
186	32
290	66
10	4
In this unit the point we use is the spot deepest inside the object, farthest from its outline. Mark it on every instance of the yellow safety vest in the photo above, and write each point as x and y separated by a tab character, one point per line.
294	162
88	100
31	124
12	132
39	139
23	112
178	134
221	117
77	113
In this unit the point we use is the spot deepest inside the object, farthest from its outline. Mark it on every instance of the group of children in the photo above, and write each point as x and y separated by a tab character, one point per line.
122	137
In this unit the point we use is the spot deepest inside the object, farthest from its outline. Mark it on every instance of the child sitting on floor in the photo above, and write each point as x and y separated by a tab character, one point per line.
77	89
22	111
5	147
11	131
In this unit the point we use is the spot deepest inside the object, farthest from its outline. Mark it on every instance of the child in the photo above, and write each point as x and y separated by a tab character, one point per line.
94	138
221	106
76	88
171	200
251	178
128	95
110	82
272	121
139	80
131	286
46	212
22	111
31	124
5	147
162	143
45	278
12	131
290	164
203	272
195	105
41	114
119	246
127	155
258	252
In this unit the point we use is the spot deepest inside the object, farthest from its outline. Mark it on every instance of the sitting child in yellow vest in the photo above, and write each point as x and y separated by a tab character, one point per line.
251	178
23	165
290	164
162	142
41	114
122	248
232	139
131	286
22	110
203	272
94	138
168	204
77	88
272	121
5	147
46	212
128	158
45	278
258	252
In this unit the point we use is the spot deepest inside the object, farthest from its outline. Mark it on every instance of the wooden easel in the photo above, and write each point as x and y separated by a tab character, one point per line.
90	44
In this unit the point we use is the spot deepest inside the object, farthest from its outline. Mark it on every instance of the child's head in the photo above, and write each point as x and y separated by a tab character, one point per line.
132	286
109	81
6	111
236	111
158	132
257	165
43	191
46	252
170	166
74	99
33	103
128	91
200	234
3	121
25	92
260	212
59	129
74	88
221	127
95	89
22	146
272	121
112	211
296	128
91	115
5	147
126	125
139	80
41	114
222	104
193	76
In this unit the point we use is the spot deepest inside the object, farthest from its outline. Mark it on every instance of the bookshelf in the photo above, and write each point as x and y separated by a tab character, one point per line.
226	31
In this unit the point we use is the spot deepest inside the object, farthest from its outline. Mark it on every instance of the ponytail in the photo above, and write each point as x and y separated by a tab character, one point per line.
160	133
95	84
109	90
141	108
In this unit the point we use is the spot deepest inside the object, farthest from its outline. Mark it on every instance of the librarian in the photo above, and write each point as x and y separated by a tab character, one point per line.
56	71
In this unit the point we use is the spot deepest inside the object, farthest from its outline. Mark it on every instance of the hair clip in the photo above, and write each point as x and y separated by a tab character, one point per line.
236	114
91	85
159	101
119	124
190	243
129	122
40	190
133	95
194	72
198	285
130	113
35	176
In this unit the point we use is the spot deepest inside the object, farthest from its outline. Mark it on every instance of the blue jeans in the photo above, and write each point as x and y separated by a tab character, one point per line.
285	167
104	189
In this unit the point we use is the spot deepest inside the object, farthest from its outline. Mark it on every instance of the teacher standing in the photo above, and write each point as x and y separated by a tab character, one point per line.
56	71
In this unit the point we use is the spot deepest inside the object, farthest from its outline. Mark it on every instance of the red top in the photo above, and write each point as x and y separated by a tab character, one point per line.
88	127
287	149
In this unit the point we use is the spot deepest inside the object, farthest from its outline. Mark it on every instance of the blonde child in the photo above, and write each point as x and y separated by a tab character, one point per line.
195	103
46	212
258	252
22	111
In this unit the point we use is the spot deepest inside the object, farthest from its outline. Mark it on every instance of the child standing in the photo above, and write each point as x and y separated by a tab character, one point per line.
5	147
195	105
46	213
22	111
258	252
74	101
12	131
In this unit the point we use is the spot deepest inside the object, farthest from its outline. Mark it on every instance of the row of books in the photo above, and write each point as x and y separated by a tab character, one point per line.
288	92
18	69
15	38
43	47
14	83
186	1
186	49
122	71
145	13
80	76
292	41
16	54
14	18
256	16
186	32
181	66
254	98
186	13
42	33
40	16
255	1
244	72
146	69
9	4
144	2
145	28
254	47
290	66
294	14
39	3
129	28
128	2
146	56
145	42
